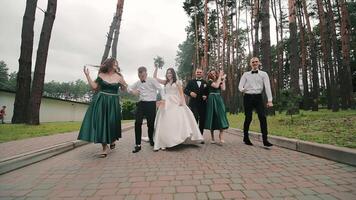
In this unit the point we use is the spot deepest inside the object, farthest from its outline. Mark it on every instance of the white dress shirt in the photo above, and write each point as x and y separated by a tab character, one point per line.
148	89
253	83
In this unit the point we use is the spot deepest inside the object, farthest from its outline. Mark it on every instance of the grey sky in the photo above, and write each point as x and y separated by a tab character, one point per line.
149	28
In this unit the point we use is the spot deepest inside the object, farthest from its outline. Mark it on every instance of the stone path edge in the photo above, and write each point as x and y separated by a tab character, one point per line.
330	152
25	159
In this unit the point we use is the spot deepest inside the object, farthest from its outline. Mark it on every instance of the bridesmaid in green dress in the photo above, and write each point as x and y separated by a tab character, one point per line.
102	121
215	109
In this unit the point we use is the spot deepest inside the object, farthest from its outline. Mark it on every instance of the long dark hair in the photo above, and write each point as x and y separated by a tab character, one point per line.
174	75
108	65
210	75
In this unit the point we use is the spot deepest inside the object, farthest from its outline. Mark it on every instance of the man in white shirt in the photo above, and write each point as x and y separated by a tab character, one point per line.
251	85
146	88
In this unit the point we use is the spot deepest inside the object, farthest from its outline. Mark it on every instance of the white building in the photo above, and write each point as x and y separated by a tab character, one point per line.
52	109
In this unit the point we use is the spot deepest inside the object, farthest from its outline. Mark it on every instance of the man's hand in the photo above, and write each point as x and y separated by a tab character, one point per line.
193	94
135	92
204	97
269	104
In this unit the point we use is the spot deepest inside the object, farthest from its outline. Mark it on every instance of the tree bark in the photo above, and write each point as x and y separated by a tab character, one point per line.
23	88
109	39
281	46
325	45
304	63
346	88
256	13
294	58
314	61
33	108
119	11
218	32
266	39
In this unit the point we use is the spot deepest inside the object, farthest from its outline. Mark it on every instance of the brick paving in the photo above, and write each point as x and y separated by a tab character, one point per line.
208	171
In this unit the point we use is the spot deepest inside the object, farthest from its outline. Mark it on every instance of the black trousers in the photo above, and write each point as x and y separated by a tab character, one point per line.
254	101
199	114
145	109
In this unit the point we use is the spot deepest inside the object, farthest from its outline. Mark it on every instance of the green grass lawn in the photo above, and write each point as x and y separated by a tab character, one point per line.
9	132
324	126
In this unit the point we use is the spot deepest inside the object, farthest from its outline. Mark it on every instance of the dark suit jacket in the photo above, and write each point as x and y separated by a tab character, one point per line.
201	91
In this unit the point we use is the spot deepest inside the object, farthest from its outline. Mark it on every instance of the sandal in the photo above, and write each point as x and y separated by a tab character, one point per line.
112	146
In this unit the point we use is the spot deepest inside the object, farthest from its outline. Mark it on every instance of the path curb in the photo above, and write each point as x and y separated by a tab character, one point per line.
25	159
330	152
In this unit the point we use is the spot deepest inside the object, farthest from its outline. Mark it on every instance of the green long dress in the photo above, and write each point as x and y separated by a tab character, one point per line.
215	110
102	121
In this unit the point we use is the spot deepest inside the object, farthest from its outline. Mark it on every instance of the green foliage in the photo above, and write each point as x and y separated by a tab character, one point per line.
68	90
288	102
128	110
184	58
3	74
158	62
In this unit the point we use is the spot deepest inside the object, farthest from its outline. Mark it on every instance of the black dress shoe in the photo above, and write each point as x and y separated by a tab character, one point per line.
152	143
136	149
248	142
267	144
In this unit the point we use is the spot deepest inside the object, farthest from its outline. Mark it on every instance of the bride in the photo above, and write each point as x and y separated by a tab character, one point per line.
174	123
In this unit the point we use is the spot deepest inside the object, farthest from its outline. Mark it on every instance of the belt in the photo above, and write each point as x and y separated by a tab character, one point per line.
107	93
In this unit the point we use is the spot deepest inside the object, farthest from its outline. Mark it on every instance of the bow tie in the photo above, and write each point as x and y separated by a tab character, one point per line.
254	72
143	81
199	79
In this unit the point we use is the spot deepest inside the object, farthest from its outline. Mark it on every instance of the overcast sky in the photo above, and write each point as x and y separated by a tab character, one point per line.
148	28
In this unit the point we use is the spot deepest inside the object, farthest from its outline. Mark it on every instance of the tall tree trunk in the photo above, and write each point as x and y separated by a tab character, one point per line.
33	109
279	56
336	55
218	32
23	86
224	35
256	13
313	57
294	58
119	10
266	40
249	29
206	41
196	38
251	24
281	46
109	39
346	87
304	63
325	45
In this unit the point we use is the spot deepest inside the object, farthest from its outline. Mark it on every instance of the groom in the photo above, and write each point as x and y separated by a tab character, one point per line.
197	90
146	88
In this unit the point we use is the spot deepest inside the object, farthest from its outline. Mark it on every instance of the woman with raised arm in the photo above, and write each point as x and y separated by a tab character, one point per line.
175	122
215	109
102	121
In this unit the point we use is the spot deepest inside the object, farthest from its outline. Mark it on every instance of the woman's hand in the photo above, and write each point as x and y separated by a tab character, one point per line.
86	71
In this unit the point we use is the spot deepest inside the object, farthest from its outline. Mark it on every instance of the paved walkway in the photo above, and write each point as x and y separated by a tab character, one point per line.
209	171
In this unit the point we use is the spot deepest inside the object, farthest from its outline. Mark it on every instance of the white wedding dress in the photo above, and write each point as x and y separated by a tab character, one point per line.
174	123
